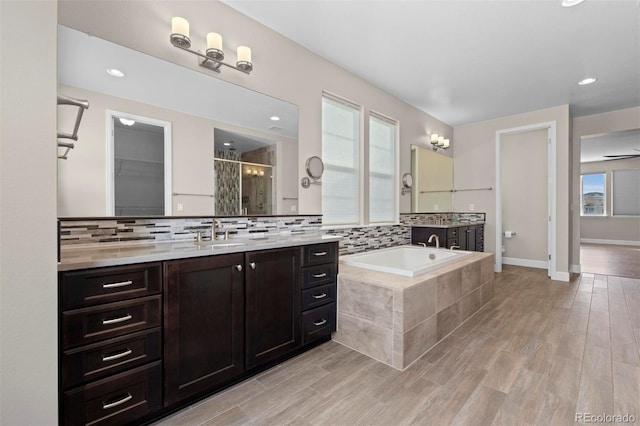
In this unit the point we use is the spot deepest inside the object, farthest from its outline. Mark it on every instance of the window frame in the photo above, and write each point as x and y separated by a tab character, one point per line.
604	194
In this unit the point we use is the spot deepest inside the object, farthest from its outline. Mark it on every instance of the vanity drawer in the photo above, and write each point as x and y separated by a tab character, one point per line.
118	399
318	296
103	285
111	356
318	275
318	323
88	325
319	253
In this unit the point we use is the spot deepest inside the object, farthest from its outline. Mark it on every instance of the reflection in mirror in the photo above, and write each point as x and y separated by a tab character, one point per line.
139	152
243	165
432	181
193	102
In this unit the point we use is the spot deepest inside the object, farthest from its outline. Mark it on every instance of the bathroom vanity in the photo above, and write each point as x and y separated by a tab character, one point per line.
148	329
465	236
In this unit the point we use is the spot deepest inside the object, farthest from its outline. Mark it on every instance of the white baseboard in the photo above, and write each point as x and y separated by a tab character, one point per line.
575	269
560	276
612	242
540	264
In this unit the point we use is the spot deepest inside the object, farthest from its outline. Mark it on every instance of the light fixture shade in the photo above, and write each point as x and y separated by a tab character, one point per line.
180	32
214	46
434	138
446	144
441	141
244	59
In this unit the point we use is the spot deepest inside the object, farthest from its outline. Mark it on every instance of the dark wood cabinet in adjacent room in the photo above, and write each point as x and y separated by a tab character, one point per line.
463	236
204	324
272	304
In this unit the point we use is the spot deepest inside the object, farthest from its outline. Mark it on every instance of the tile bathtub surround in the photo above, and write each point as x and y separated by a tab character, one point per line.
396	319
157	229
365	238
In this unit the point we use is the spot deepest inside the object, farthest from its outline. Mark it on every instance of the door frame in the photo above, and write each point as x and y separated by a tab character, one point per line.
166	125
550	126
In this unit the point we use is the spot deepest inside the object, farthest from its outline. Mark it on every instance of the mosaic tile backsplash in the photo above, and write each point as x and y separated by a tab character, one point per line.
441	218
93	231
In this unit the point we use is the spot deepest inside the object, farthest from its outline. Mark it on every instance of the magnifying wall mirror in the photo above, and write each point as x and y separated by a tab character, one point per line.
315	168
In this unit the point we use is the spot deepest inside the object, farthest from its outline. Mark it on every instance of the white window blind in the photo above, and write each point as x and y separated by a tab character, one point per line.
626	192
341	157
382	169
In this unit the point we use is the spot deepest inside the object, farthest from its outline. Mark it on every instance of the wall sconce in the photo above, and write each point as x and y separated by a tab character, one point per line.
438	141
213	57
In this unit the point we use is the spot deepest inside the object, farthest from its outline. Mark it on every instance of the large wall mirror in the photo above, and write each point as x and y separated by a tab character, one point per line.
432	181
202	113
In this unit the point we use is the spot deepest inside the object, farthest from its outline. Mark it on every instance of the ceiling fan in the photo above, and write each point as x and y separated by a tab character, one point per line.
622	156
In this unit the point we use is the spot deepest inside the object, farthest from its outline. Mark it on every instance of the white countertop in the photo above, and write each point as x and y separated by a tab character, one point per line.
73	257
447	225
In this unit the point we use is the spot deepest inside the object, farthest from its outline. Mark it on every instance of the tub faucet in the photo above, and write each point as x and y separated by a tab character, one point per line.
423	244
454	247
437	240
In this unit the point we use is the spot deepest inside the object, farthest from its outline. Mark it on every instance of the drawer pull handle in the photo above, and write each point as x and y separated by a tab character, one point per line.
117	356
319	323
117	320
320	253
320	296
107	405
322	275
120	284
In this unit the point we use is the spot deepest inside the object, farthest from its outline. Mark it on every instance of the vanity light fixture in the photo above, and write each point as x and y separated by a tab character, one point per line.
213	57
438	141
588	80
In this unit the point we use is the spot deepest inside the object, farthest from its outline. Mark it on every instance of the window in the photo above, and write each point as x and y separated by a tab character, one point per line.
382	169
341	157
626	192
592	194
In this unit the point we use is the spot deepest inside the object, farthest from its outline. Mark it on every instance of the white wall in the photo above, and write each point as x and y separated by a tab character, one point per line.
624	230
282	69
474	159
28	291
625	119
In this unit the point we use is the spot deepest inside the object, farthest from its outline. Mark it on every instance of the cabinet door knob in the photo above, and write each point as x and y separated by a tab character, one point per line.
239	268
253	265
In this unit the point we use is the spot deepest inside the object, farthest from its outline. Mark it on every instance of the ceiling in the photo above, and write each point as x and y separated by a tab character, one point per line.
469	61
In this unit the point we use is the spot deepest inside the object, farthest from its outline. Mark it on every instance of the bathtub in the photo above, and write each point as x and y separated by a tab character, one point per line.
409	261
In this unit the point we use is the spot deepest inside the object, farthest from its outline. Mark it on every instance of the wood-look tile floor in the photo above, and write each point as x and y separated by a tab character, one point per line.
606	259
539	353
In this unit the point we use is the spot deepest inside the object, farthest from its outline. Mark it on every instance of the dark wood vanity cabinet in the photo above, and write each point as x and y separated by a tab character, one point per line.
203	324
138	341
465	237
320	273
110	344
272	304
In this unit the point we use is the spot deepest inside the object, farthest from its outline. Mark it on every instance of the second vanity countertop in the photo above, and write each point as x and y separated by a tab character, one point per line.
446	225
74	258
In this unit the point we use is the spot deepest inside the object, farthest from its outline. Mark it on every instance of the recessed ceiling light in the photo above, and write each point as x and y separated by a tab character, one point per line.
127	122
586	81
227	144
274	118
569	3
115	72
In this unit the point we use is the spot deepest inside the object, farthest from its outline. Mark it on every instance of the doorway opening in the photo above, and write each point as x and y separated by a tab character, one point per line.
550	214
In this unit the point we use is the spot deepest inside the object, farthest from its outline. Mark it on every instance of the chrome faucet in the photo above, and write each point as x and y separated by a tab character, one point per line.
437	240
215	225
454	247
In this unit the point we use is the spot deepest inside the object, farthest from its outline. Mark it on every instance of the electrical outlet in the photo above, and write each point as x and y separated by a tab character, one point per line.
180	207
294	208
472	207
